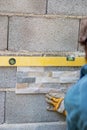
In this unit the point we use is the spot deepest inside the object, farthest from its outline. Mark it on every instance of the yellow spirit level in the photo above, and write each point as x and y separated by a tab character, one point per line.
41	61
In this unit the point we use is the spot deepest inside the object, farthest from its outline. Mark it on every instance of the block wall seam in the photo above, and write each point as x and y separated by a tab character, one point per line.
7	89
46	6
42	15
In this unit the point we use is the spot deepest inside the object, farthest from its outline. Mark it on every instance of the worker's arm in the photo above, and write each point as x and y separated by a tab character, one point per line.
55	103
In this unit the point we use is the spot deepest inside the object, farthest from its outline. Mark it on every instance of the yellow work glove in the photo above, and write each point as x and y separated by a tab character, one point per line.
55	103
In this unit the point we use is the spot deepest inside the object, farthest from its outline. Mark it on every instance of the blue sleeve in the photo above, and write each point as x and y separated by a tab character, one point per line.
76	103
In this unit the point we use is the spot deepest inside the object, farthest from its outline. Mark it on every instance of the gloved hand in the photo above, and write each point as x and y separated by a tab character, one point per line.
55	103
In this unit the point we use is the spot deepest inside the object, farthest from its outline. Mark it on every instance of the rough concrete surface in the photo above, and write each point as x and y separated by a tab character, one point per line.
23	6
3	32
2	102
68	7
35	126
28	108
43	34
7	77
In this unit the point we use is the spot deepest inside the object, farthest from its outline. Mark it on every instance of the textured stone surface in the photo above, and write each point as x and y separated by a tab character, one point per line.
7	77
43	34
40	80
60	77
3	32
26	80
37	126
48	69
28	108
23	6
41	88
30	69
67	7
2	100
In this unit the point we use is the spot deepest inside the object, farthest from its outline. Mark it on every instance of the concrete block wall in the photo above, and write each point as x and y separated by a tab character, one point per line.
39	26
27	24
43	34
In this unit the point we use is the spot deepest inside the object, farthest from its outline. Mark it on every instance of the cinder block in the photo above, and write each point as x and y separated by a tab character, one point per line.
23	6
28	108
35	126
3	32
43	34
2	101
7	77
67	7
